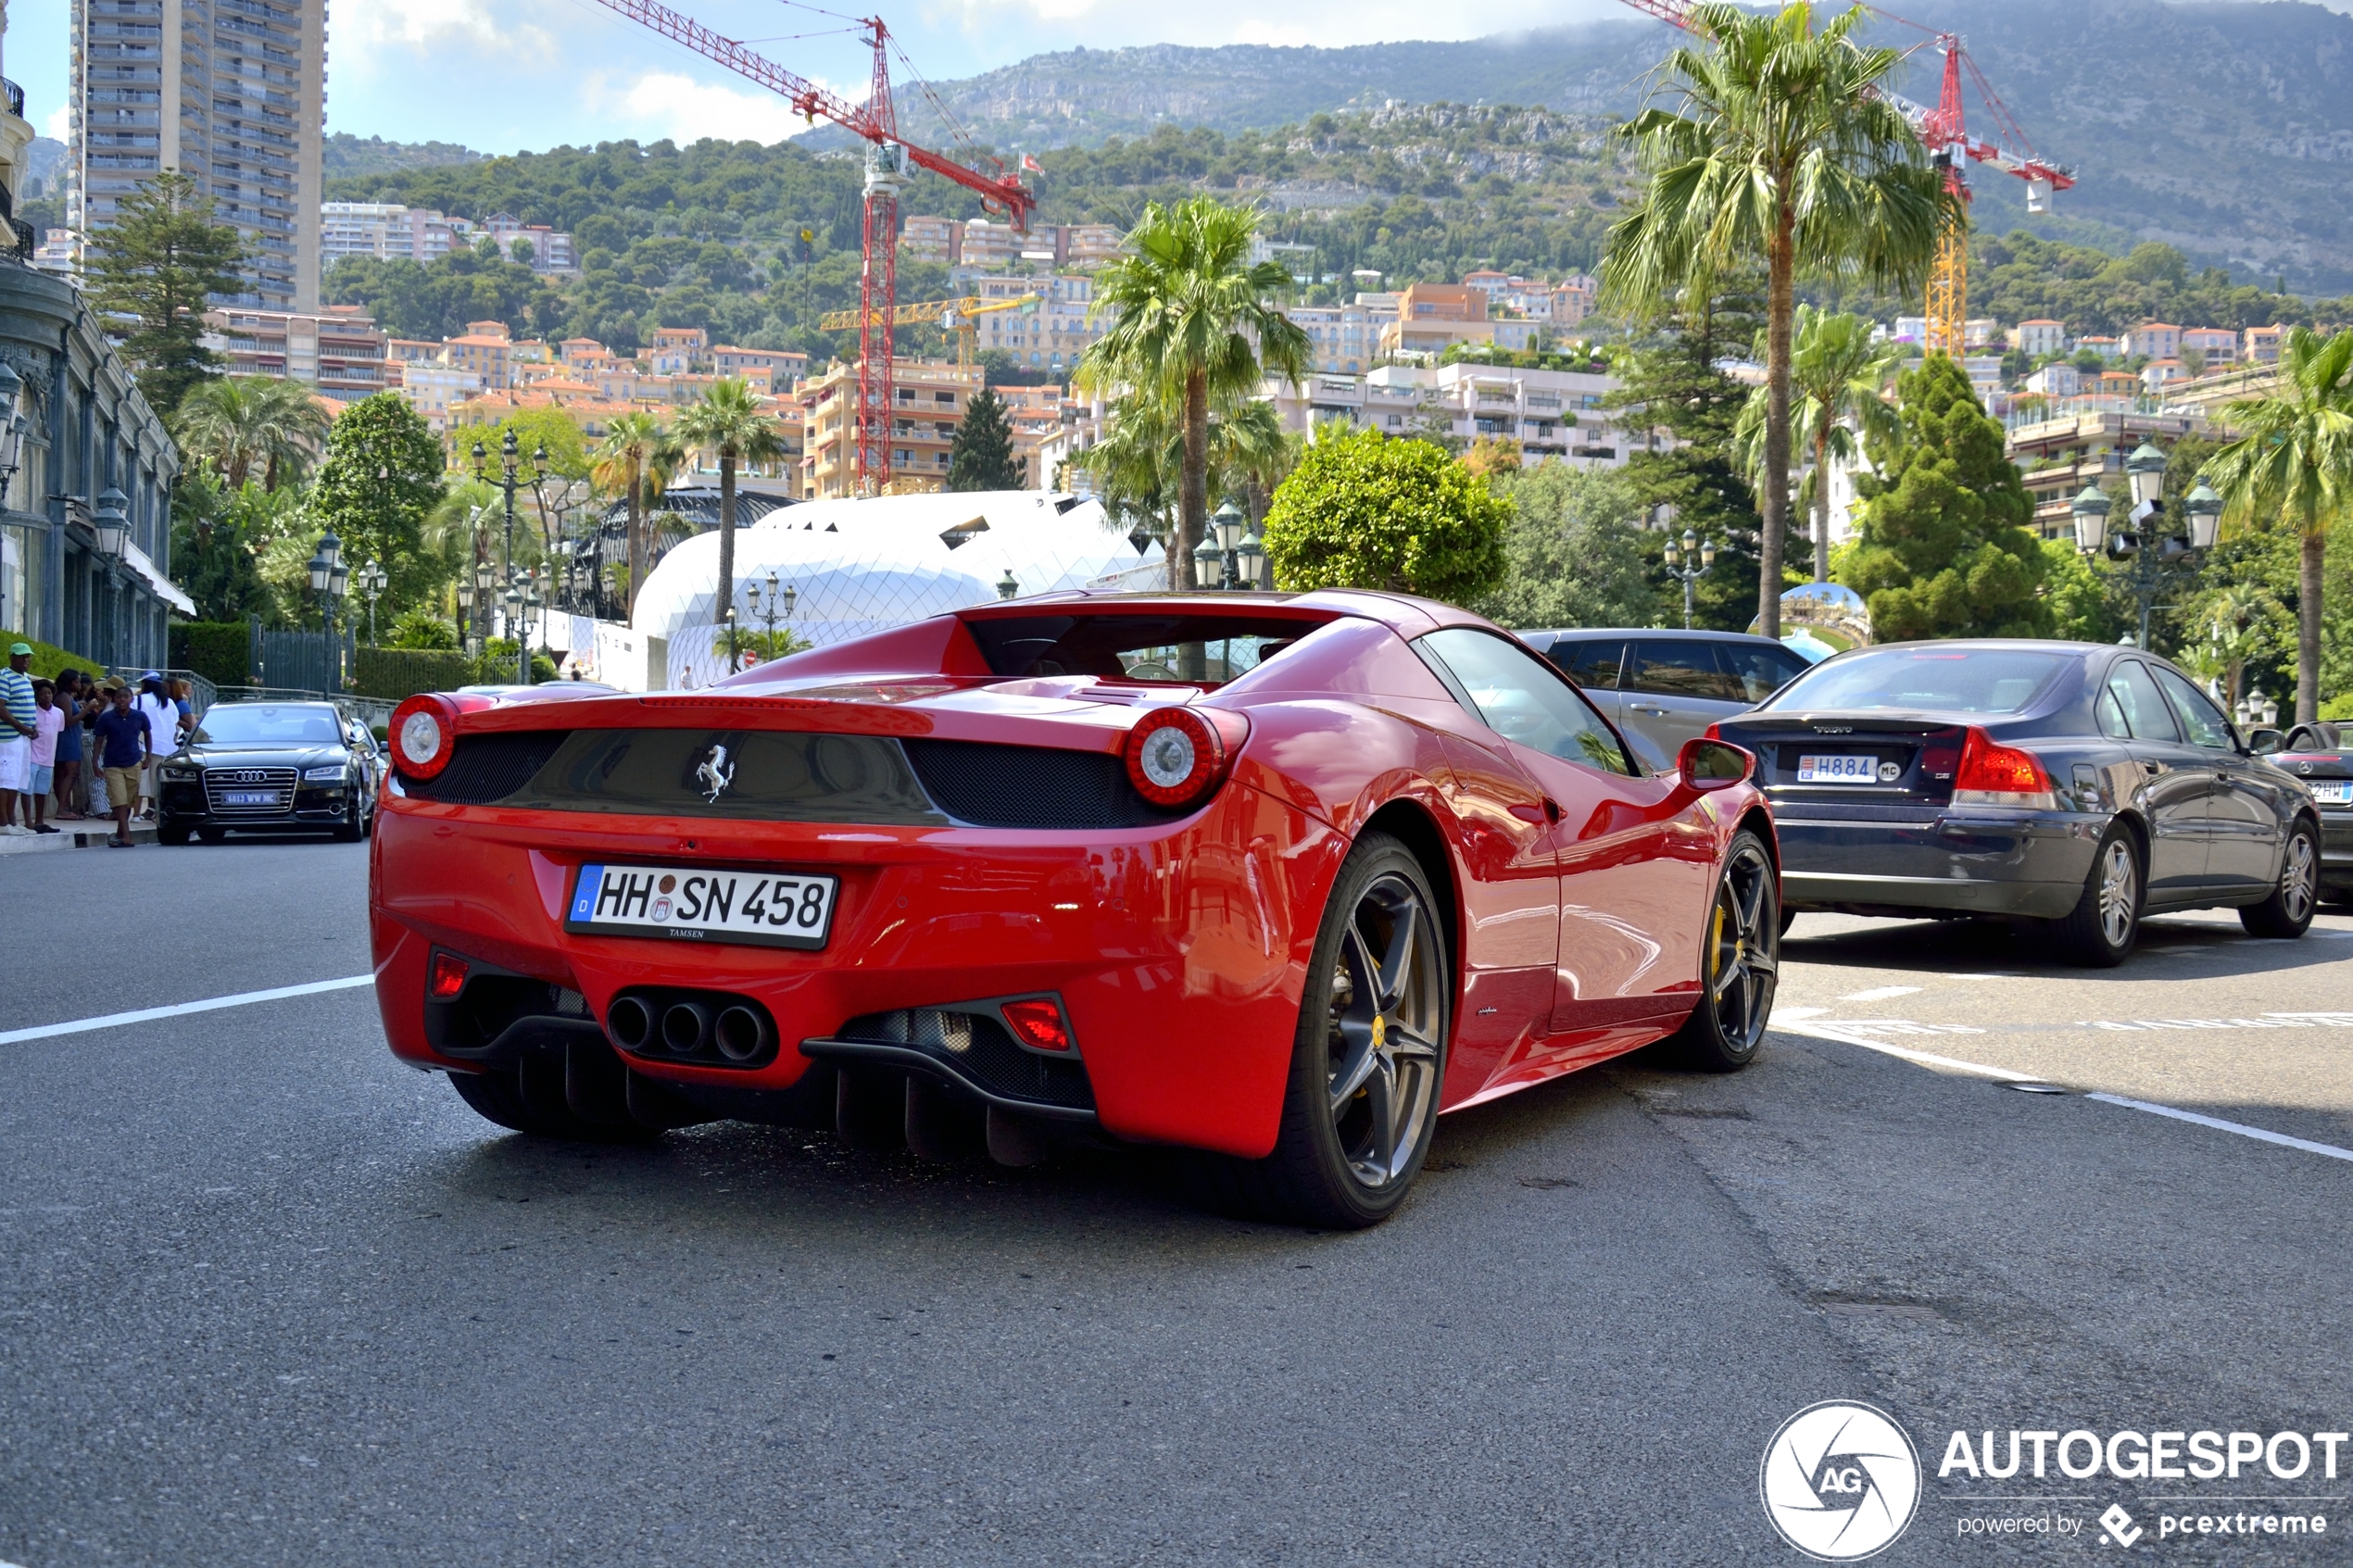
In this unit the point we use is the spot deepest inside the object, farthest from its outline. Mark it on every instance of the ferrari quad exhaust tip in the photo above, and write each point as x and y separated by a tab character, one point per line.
630	1022
686	1026
709	1028
740	1033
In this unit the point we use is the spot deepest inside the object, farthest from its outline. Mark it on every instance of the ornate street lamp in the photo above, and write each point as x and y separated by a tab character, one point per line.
2151	556
1251	559
2091	508
112	524
1008	586
1688	566
1208	561
371	583
465	610
1229	525
2205	510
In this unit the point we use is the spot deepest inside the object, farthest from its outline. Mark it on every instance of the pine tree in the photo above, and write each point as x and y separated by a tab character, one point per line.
383	474
1944	548
981	456
158	263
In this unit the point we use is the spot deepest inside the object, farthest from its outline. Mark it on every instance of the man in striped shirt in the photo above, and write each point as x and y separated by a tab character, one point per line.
21	716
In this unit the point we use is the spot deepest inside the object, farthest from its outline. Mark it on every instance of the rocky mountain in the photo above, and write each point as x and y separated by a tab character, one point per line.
2224	129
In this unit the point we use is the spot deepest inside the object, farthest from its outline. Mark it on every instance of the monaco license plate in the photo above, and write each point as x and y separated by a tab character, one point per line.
1843	768
250	797
768	909
2339	793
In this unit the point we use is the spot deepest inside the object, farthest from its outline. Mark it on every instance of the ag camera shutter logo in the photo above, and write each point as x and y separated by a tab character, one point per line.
1840	1481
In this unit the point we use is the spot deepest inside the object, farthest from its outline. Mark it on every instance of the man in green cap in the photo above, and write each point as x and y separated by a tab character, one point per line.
23	719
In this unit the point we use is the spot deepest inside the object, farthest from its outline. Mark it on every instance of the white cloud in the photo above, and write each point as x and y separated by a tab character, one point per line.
58	125
670	104
1255	31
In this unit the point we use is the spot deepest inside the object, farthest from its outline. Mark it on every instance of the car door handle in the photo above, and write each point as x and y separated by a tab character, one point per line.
1646	707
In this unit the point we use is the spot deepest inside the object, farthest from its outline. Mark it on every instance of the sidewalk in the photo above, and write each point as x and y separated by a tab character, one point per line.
75	835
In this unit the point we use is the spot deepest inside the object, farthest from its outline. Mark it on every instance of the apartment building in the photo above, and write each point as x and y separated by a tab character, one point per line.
989	244
931	239
2220	344
1553	414
1344	339
230	92
2058	379
2039	337
1052	336
2263	345
339	350
2060	456
2152	340
1081	246
769	369
550	248
487	349
929	401
677	350
435	389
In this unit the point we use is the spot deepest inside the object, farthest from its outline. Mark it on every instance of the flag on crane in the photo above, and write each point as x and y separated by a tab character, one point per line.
1030	165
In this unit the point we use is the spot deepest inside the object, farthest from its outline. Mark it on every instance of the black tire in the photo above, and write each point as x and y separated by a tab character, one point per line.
353	826
171	832
2296	896
1361	1102
2100	931
1739	963
529	1097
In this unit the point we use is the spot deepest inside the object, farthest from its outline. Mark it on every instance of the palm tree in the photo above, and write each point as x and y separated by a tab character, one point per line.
636	458
2294	463
1836	375
728	420
237	423
1783	146
1192	327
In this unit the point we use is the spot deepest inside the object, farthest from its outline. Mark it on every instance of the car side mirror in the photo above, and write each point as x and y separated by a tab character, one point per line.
2266	743
1713	764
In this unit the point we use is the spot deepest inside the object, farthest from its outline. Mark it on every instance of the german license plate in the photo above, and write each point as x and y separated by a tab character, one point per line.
1844	769
250	797
2335	794
767	908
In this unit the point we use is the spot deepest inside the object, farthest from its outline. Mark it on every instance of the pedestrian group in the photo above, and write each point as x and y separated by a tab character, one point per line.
52	727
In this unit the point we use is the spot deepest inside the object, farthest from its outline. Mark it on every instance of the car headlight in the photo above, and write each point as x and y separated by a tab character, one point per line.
323	775
182	773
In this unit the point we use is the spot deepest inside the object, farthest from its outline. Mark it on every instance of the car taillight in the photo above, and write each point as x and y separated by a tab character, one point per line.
1714	732
1176	754
1037	1025
423	733
447	977
1994	774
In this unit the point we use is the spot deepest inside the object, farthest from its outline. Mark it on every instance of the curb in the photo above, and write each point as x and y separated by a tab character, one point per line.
82	838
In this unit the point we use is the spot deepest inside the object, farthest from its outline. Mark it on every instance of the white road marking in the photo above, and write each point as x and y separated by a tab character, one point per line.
1880	994
2240	1128
1840	1032
210	1004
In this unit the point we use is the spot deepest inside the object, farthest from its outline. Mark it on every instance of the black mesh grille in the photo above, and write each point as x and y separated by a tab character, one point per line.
983	1051
488	768
1030	786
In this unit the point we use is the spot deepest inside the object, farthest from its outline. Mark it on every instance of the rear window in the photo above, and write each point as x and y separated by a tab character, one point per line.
1194	649
1926	680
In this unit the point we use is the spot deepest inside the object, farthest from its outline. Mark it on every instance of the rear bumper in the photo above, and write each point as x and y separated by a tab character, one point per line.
2016	863
1178	951
2336	848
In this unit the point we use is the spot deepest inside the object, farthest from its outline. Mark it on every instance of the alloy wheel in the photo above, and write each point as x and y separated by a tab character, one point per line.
2120	893
2299	877
1387	1005
1743	950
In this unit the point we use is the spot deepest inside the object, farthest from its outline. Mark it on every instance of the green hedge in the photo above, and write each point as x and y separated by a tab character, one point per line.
219	650
49	660
399	673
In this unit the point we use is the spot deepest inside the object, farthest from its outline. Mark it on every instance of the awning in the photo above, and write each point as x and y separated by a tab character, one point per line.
164	587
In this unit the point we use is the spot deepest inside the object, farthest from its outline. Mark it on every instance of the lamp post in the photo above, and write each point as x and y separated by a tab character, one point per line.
1231	525
2152	557
513	598
1688	565
465	612
509	470
778	606
534	597
113	526
487	597
1009	586
1250	558
371	583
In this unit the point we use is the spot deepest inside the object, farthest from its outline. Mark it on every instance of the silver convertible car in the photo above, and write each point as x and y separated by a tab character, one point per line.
2076	787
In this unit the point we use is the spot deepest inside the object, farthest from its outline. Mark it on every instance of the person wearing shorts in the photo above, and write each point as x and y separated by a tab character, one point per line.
122	752
49	722
73	701
18	726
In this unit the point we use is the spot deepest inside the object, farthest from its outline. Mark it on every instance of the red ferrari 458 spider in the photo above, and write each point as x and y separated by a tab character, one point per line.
1274	878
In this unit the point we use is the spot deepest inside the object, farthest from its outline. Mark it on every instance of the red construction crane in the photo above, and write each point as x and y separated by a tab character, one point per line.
1945	133
887	156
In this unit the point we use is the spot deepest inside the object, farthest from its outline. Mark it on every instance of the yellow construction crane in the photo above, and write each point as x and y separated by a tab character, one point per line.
957	316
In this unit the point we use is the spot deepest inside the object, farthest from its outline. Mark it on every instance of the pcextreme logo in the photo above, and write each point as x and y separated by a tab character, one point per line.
1840	1481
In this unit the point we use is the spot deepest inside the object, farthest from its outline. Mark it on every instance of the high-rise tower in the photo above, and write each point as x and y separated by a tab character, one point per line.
230	92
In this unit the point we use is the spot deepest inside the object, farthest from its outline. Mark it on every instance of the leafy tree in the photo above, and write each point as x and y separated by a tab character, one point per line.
728	420
981	456
1192	324
1944	547
158	263
2293	469
1677	384
233	423
636	458
2083	597
1575	550
382	476
1787	147
423	631
1363	511
1836	376
213	556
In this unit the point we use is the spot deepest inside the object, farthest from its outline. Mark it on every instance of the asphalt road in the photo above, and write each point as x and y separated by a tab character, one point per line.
267	1297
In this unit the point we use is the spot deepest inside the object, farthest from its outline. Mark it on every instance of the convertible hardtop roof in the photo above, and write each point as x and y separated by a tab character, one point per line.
1406	614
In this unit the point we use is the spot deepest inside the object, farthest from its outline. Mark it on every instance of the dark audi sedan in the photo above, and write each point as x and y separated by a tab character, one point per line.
271	767
2077	787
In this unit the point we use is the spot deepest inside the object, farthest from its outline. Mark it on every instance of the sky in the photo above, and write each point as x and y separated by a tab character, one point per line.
524	75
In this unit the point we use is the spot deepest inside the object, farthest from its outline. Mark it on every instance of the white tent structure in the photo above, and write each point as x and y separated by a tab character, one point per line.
860	566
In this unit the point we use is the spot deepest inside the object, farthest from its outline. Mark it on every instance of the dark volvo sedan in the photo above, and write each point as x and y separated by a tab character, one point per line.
2074	785
271	767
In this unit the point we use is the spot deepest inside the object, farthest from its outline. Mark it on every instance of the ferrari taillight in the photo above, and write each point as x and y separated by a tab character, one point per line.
1994	774
1037	1025
423	733
1176	755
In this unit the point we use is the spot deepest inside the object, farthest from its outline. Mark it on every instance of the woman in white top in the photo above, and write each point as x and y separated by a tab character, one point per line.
163	735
